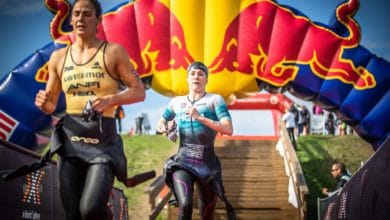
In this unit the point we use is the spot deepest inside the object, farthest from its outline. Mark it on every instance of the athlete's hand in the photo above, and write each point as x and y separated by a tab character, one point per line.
171	130
100	104
41	98
191	111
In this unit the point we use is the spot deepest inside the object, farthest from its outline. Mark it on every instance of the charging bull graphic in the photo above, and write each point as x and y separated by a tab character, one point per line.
276	45
254	45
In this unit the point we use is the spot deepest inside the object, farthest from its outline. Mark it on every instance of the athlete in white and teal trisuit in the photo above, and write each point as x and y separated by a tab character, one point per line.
192	131
199	116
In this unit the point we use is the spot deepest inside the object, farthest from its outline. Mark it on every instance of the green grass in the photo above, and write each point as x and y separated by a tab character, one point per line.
316	154
144	153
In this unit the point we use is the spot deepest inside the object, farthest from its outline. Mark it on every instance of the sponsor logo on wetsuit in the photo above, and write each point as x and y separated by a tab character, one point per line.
85	140
83	85
86	75
68	68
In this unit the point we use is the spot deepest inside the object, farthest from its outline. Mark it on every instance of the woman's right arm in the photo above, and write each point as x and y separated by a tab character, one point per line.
46	100
165	123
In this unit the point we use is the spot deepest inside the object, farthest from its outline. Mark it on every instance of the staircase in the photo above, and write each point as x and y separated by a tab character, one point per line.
255	181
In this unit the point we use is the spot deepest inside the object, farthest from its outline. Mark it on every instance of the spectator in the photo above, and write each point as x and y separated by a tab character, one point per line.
300	121
138	124
341	127
341	175
296	113
289	120
317	109
306	120
330	124
119	115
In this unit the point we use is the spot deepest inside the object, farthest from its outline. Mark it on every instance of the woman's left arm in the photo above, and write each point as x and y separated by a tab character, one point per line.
223	126
118	64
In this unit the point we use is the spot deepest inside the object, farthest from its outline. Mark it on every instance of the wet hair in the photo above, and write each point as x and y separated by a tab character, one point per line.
96	5
198	65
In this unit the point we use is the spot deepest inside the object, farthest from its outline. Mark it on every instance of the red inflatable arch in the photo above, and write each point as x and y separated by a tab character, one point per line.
277	103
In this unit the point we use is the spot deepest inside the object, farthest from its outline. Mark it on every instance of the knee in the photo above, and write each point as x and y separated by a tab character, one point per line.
186	206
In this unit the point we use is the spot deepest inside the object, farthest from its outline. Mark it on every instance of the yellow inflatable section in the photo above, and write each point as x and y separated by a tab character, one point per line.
198	18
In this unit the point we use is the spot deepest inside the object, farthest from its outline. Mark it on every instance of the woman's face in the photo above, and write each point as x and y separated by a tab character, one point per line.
84	20
197	80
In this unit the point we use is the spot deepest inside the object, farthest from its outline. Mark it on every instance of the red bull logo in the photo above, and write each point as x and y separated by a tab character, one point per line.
42	74
158	49
277	45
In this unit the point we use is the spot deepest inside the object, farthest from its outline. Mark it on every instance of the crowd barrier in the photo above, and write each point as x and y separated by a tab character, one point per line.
36	196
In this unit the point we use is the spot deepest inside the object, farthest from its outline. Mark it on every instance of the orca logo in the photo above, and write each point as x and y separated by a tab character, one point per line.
85	140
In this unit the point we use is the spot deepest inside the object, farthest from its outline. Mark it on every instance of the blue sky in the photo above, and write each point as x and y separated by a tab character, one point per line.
25	28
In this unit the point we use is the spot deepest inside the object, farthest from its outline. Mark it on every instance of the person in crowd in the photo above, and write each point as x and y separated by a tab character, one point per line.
119	115
89	72
289	120
341	175
317	109
330	124
139	124
305	113
300	123
199	115
341	127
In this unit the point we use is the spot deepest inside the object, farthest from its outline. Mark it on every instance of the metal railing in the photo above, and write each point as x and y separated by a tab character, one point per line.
294	170
159	195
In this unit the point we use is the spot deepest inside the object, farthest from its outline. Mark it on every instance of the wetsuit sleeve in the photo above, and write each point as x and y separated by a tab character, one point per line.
169	113
221	109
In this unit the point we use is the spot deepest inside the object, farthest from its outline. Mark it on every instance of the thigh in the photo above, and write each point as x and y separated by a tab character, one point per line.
71	175
98	185
183	182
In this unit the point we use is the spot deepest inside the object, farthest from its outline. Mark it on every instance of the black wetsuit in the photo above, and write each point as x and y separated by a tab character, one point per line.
90	151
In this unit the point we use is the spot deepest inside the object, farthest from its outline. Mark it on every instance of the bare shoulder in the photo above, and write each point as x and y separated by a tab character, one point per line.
59	52
58	55
57	59
115	49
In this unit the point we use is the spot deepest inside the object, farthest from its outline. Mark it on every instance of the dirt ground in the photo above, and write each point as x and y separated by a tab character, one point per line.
140	211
